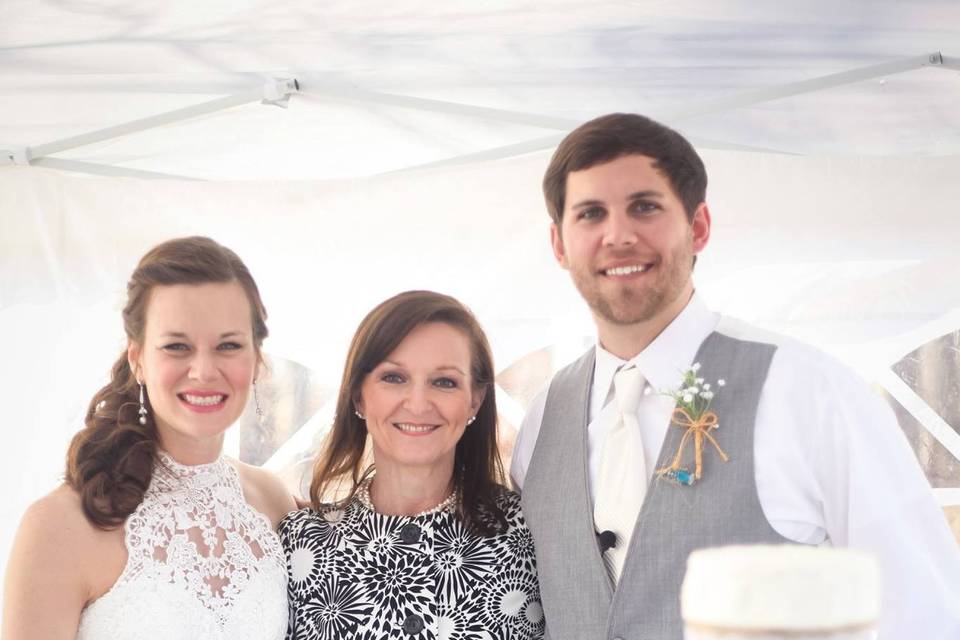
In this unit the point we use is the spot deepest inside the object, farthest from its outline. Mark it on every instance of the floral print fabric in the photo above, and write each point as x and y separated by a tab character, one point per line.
359	574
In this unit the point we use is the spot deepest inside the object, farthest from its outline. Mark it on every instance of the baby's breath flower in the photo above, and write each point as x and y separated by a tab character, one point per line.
721	382
699	380
687	398
695	367
706	386
706	395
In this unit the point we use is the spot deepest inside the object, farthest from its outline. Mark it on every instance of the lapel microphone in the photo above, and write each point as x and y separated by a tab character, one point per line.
606	540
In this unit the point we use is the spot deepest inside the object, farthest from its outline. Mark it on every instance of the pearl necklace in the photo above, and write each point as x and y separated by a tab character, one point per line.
448	503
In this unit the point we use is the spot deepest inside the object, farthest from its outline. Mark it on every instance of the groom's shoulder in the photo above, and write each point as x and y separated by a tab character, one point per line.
583	364
799	360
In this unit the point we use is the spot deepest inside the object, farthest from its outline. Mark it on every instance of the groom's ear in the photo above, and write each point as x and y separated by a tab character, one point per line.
700	227
556	241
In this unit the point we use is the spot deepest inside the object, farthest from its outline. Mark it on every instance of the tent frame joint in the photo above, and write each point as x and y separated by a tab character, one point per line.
16	156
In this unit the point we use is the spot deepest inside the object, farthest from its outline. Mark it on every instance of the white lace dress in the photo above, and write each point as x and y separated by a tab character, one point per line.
202	564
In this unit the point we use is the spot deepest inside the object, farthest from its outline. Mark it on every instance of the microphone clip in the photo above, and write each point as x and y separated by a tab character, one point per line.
607	540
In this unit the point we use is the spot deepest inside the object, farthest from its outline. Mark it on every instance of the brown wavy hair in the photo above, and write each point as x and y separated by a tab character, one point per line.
110	461
478	474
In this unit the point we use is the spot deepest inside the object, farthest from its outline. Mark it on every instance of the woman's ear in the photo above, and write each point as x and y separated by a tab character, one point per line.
358	407
477	399
133	359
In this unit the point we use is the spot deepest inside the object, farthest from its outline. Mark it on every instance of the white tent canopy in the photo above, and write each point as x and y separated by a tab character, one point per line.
409	154
383	87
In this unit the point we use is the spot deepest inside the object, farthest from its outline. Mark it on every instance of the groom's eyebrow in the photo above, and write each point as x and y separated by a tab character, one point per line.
587	203
643	195
637	195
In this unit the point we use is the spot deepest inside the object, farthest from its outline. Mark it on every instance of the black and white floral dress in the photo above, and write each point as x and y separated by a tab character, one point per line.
359	574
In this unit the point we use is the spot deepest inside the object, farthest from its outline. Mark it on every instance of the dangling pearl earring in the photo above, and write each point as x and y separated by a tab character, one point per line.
471	419
143	408
358	414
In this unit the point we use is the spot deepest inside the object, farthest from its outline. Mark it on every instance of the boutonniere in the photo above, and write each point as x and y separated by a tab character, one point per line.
692	414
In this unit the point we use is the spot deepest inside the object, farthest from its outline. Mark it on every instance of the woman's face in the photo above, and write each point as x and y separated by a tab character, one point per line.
418	400
197	362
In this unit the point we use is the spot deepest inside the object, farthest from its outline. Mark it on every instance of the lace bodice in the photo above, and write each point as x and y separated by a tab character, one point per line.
202	563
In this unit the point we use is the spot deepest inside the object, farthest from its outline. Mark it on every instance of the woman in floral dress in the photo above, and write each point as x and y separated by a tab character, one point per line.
425	543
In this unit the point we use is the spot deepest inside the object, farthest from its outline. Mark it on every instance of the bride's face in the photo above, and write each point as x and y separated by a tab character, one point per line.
197	361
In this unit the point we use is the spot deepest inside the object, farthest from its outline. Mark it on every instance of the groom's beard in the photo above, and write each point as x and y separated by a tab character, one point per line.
631	303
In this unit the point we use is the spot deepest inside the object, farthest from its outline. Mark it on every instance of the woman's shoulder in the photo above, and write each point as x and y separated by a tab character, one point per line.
52	567
265	492
509	502
510	516
309	521
56	535
58	517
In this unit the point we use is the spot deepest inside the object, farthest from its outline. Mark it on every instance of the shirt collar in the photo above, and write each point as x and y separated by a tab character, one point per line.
664	359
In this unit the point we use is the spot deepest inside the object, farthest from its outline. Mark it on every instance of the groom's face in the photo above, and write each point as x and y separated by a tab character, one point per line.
627	241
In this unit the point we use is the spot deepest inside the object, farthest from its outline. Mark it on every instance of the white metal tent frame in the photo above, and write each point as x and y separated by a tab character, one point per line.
277	92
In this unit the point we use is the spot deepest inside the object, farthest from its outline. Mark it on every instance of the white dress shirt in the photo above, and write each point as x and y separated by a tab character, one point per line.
831	463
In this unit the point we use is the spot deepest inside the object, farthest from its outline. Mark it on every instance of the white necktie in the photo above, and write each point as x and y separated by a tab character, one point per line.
622	481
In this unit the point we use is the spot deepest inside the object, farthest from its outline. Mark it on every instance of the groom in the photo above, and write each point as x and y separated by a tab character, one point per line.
793	447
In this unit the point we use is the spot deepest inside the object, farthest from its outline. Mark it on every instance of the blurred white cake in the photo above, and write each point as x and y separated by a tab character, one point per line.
786	589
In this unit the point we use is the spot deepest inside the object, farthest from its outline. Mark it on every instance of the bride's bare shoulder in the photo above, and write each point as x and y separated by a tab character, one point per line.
59	562
55	526
57	518
265	492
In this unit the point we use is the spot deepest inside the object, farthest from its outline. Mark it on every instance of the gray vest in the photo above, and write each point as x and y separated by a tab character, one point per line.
722	508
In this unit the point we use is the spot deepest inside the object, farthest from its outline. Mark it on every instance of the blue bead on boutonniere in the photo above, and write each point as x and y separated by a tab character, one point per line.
680	476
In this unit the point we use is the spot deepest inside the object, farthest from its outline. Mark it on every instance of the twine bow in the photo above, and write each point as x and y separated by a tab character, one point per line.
697	428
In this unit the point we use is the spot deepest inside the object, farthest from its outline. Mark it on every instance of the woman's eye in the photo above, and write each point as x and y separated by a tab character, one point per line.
446	383
175	346
392	378
229	346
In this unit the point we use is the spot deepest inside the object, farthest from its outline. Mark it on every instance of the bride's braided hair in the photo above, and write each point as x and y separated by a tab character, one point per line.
110	460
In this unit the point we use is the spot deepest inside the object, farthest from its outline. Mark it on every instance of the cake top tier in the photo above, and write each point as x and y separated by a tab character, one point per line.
786	588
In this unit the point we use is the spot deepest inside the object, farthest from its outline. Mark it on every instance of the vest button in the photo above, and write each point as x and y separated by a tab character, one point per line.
410	533
413	624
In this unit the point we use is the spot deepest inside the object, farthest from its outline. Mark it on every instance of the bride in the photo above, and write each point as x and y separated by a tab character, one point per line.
154	534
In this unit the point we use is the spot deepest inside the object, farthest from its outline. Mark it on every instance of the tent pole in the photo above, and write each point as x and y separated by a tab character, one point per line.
273	92
105	170
672	115
345	94
748	98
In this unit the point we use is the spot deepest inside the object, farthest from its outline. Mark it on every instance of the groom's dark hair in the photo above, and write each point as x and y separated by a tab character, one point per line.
619	134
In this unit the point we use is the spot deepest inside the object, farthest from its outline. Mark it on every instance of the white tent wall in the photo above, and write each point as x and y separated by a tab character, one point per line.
856	255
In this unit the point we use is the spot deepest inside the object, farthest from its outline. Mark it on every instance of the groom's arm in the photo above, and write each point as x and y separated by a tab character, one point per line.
877	498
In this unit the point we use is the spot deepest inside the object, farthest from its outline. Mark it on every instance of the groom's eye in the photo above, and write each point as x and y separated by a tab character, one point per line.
590	213
645	206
